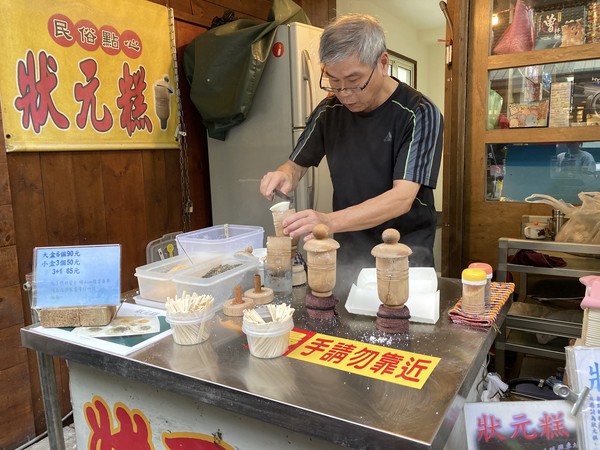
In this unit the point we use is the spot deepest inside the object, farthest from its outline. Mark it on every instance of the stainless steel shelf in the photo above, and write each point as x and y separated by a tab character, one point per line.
524	320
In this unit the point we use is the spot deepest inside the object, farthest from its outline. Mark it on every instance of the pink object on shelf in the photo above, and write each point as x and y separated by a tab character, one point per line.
592	292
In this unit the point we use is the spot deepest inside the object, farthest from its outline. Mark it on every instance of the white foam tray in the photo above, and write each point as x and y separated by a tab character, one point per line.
423	295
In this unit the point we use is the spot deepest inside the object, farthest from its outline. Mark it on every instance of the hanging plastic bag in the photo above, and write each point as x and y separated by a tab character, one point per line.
561	205
583	225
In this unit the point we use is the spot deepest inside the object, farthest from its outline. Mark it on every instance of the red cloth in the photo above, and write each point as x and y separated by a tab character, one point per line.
533	258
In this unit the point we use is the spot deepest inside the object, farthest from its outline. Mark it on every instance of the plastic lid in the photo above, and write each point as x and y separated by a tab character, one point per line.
483	266
474	275
391	247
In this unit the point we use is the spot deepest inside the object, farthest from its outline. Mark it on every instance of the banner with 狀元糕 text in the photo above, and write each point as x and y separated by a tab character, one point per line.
87	75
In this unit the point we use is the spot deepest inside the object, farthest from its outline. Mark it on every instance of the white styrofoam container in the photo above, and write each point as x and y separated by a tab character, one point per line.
225	239
423	294
220	286
155	280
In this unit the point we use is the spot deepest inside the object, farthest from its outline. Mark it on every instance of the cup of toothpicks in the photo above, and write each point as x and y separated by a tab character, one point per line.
190	317
268	329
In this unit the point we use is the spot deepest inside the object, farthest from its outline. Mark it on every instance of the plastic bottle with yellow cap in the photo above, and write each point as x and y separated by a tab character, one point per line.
473	291
488	286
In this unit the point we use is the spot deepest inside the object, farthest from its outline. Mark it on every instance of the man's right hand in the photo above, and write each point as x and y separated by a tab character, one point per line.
285	178
274	180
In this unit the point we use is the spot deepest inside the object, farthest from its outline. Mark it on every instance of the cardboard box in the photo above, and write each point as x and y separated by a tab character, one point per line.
531	114
560	27
592	30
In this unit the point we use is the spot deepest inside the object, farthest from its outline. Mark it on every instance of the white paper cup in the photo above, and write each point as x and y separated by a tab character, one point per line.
191	328
270	339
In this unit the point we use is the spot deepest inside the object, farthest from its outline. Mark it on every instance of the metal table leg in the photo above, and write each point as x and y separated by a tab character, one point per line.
54	425
51	400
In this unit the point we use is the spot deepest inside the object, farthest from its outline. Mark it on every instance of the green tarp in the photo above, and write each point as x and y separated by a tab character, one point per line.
224	66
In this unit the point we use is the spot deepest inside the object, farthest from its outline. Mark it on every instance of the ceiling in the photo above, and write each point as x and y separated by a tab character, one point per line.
424	14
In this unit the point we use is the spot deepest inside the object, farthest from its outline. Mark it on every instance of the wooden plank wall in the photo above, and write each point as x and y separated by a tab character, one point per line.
94	197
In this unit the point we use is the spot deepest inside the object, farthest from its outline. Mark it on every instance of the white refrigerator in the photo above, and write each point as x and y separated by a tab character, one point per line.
287	93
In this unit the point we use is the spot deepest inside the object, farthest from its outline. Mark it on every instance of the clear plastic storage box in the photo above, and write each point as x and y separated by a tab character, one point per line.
219	239
217	277
155	280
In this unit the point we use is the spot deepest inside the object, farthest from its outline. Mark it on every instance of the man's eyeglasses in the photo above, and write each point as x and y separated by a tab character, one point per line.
349	90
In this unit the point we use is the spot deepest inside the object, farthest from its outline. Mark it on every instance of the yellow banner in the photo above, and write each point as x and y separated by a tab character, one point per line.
87	75
374	361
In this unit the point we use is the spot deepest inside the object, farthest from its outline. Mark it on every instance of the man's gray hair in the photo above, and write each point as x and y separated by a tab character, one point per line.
352	35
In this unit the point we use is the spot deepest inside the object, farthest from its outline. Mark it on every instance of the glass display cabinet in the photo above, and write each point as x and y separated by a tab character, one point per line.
542	129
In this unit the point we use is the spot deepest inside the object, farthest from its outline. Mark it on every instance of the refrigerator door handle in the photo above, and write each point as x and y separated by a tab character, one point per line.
308	77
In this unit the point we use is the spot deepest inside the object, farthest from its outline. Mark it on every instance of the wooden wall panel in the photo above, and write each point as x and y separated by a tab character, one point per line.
124	210
87	169
196	143
7	228
59	197
17	424
4	187
8	254
11	312
206	11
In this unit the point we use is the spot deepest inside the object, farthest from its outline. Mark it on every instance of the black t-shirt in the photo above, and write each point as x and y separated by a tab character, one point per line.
400	140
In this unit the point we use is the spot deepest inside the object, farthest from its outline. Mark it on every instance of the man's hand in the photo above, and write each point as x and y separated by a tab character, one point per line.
285	178
275	180
303	222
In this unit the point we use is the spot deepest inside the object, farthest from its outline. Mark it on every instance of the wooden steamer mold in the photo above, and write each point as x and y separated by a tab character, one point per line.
392	283
322	260
235	306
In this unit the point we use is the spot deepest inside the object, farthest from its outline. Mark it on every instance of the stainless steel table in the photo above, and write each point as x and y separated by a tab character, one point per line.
337	406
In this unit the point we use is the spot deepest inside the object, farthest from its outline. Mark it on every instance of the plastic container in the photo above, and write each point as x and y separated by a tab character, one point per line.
219	240
489	271
155	280
221	285
278	268
191	328
473	291
268	340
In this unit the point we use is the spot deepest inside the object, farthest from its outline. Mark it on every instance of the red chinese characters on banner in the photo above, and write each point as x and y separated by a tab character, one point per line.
36	84
89	37
86	95
62	30
131	102
549	427
110	41
132	44
130	429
